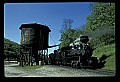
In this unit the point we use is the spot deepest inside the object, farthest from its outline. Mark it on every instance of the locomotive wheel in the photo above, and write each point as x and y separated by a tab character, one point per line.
78	65
94	63
73	65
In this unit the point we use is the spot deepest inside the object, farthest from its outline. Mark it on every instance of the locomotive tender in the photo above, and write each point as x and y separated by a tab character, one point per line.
76	56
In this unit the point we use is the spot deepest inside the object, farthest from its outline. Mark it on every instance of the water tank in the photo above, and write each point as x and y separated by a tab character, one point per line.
35	35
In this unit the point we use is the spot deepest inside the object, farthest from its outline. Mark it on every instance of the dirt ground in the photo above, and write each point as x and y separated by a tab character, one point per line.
53	71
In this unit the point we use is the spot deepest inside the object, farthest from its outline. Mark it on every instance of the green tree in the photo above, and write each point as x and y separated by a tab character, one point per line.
67	37
67	23
102	14
100	23
67	33
80	31
11	49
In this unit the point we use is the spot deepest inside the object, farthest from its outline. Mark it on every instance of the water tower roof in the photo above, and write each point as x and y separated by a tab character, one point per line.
35	25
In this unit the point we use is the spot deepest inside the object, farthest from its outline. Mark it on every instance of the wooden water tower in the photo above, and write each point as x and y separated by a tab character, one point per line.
34	43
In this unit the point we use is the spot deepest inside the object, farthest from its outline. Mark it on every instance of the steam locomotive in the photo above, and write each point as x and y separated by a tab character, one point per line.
76	56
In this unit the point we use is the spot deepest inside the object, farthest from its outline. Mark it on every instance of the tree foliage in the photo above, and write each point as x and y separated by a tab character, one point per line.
102	14
67	23
80	31
103	39
67	37
100	25
67	33
11	49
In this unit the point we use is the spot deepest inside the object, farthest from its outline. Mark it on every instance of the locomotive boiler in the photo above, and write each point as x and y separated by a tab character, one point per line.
76	56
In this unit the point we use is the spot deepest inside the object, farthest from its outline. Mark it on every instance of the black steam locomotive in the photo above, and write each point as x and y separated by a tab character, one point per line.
76	56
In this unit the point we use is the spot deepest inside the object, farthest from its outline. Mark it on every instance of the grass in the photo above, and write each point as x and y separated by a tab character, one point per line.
107	50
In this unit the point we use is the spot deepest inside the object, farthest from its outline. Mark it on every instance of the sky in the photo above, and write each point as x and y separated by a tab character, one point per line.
50	14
